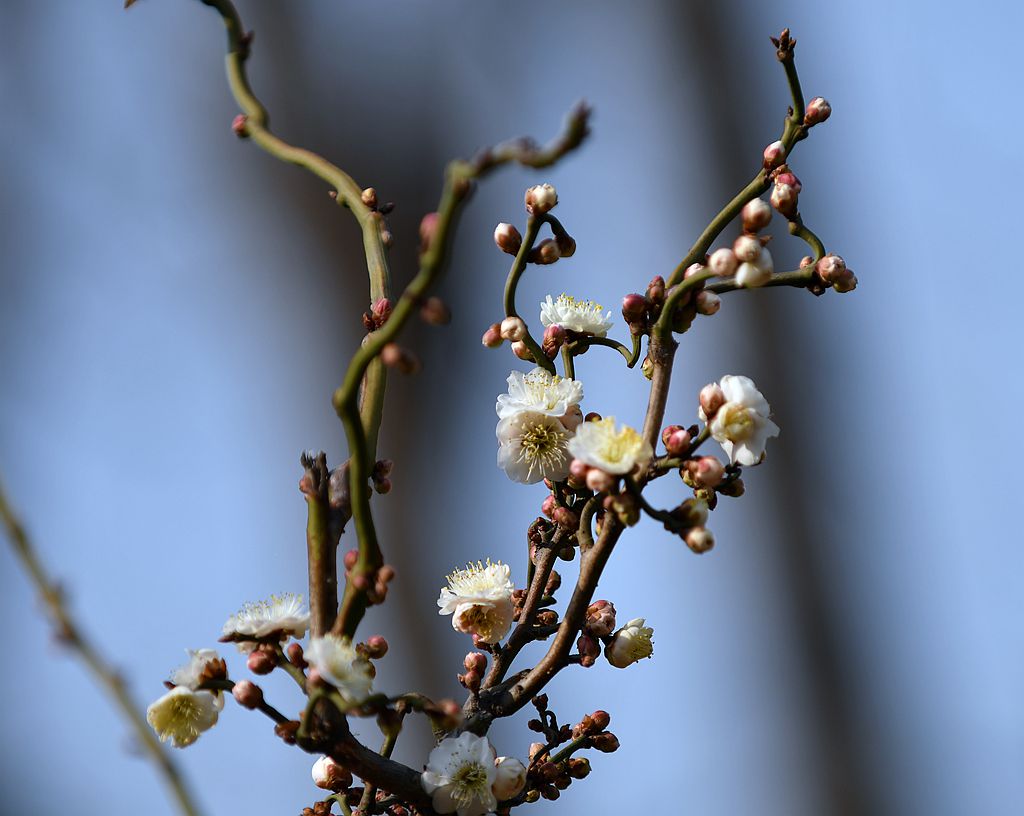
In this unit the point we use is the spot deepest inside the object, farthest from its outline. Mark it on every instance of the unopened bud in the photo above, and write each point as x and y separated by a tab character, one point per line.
746	248
601	720
566	244
708	303
369	198
785	199
706	471
540	199
262	661
471	680
734	489
756	215
548	506
380	311
712	397
394	356
554	339
507	238
522	351
329	775
435	312
475	661
774	155
376	647
247	694
656	290
565	518
240	126
830	268
788	178
513	329
647	367
492	337
818	110
546	252
693	269
579	767
600	619
428	227
634	306
806	261
676	440
578	469
845	281
295	655
589	650
723	262
606	743
350	558
700	540
547	617
599	481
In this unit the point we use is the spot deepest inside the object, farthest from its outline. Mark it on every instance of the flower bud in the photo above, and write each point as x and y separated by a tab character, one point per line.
376	647
756	273
691	513
471	680
329	775
369	198
547	617
262	661
746	248
247	694
784	198
522	351
295	655
756	215
507	238
240	126
350	558
818	110
845	281
830	267
435	312
806	261
572	418
774	155
428	227
599	481
629	644
723	262
492	337
786	177
676	440
403	360
600	619
475	661
546	252
380	311
706	471
540	199
579	767
589	650
605	743
712	397
513	329
700	540
634	307
509	779
554	338
578	470
566	244
565	518
693	269
647	367
548	506
734	489
656	290
708	303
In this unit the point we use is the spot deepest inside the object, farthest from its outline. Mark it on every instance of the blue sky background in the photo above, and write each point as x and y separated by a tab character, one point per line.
176	308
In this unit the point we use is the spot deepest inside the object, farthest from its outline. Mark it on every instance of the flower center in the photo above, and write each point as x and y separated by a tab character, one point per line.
617	446
737	422
543	389
468	782
484	620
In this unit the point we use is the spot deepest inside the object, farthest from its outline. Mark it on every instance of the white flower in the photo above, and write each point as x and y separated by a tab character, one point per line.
616	451
582	316
459	775
340	664
479	599
182	714
540	392
631	643
281	617
533	446
191	674
510	778
757	272
741	425
329	775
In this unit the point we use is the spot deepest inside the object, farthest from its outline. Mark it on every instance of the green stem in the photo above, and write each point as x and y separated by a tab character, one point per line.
568	367
533	225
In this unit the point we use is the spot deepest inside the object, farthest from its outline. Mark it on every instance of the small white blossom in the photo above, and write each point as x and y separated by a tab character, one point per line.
479	599
614	450
281	617
340	664
583	316
459	774
191	674
182	714
509	779
539	391
741	425
631	643
533	446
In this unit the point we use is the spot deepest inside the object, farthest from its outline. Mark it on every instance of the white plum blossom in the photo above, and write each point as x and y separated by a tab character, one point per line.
614	450
479	599
460	774
509	779
182	714
540	392
583	316
342	666
279	618
533	446
741	425
190	675
629	644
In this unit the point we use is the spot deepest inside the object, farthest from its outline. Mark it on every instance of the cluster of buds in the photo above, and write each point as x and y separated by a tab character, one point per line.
378	314
381	471
785	192
475	665
748	258
834	272
547	778
375	584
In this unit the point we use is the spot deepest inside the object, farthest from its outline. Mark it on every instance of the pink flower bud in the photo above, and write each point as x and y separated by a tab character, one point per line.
351	556
546	252
700	540
785	199
548	506
786	177
712	397
507	238
676	440
369	198
706	471
589	650
600	619
471	680
492	337
554	338
747	248
522	351
601	720
380	312
708	303
693	269
261	661
578	470
240	126
599	481
605	743
295	655
513	329
475	661
329	775
565	518
774	155
844	281
830	267
540	199
723	262
656	290
806	261
634	307
376	647
756	215
428	226
818	110
247	694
